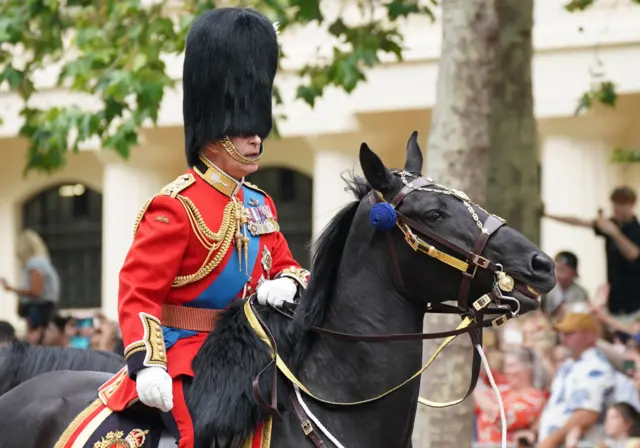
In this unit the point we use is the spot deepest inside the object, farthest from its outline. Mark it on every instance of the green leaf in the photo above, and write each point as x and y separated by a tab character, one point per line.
309	94
401	8
622	155
584	103
578	5
607	94
125	137
139	61
12	76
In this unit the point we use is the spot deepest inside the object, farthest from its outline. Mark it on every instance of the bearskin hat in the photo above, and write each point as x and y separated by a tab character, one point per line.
230	62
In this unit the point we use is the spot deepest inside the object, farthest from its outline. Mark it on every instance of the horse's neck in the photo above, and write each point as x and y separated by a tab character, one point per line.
349	371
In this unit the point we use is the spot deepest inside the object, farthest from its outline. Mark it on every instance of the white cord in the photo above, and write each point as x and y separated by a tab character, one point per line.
314	419
485	364
503	418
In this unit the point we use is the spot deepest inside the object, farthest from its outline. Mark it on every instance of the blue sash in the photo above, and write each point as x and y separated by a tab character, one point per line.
229	282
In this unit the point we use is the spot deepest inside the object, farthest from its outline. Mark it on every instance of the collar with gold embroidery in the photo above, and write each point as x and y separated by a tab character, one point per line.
217	178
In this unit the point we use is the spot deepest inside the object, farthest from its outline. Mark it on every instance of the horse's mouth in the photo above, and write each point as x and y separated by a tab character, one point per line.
529	297
528	302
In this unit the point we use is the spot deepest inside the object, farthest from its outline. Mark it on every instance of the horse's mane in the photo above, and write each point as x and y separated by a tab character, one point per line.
20	361
221	398
328	250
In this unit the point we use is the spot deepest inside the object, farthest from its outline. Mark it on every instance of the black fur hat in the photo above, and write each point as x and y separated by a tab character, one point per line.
230	62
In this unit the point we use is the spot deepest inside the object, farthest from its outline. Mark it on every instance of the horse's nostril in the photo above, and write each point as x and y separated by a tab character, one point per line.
542	263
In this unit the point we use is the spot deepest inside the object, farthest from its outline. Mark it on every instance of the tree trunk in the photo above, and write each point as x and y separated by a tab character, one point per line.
458	157
513	189
483	142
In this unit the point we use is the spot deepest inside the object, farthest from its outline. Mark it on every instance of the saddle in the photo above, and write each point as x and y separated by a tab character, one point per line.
138	427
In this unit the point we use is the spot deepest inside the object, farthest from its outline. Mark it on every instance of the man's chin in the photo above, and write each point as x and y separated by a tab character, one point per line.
249	169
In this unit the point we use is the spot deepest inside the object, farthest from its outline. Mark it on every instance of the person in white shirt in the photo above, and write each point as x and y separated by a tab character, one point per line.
567	296
583	387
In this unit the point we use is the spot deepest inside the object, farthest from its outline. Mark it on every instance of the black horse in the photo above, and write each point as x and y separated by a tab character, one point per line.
367	279
21	361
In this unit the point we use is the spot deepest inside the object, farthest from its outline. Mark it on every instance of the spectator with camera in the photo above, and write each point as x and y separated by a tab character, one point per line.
622	242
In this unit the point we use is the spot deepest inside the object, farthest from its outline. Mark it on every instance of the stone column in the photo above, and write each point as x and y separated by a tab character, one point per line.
8	262
328	188
577	179
126	188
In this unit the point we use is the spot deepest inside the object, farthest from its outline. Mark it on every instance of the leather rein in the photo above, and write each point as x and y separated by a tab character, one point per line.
473	316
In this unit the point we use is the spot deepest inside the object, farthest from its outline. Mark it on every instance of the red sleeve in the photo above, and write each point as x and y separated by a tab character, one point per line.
284	264
151	265
525	410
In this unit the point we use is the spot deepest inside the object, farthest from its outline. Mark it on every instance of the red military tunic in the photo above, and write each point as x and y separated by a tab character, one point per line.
185	252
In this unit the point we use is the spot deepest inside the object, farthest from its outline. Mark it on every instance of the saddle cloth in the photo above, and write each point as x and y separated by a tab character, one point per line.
99	427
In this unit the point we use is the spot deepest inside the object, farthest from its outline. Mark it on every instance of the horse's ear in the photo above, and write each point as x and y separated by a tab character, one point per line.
413	164
378	176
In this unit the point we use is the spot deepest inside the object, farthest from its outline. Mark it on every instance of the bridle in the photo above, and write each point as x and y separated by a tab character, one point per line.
467	262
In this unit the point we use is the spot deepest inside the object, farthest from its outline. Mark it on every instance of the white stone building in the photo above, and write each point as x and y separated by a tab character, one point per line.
88	208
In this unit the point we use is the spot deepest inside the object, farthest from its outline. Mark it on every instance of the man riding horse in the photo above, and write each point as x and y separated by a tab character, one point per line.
209	237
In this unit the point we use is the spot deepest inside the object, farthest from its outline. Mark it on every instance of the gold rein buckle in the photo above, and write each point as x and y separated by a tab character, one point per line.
411	239
482	302
481	261
500	321
306	427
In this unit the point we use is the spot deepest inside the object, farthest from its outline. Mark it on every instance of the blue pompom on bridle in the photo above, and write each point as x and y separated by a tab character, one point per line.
383	216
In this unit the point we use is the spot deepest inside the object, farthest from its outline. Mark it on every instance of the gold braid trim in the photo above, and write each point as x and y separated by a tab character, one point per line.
212	241
299	275
140	215
75	424
172	189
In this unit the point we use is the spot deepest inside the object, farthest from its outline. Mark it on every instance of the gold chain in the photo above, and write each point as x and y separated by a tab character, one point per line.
221	240
447	191
141	213
233	152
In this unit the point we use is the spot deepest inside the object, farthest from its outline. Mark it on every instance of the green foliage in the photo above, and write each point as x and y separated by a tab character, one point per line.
604	93
578	5
623	155
111	51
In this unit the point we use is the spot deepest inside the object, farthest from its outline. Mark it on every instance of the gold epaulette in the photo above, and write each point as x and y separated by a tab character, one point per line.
172	190
254	187
175	187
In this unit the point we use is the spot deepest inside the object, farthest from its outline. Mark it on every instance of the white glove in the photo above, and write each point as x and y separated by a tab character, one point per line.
154	387
277	292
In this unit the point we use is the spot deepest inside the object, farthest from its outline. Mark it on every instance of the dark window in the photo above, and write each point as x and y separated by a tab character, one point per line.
68	217
292	193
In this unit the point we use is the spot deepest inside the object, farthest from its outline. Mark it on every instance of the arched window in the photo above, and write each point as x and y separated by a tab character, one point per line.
68	217
292	193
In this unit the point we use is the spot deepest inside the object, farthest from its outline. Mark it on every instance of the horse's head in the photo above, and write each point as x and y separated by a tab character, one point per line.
444	247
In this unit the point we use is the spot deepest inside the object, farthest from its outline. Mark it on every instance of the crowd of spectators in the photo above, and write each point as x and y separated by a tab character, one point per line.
569	373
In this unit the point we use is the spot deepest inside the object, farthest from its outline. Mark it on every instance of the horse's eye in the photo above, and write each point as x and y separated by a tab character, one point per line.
434	215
